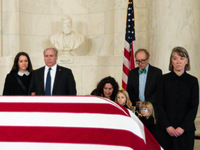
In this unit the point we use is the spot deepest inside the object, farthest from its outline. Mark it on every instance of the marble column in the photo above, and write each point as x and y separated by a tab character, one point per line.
10	27
171	24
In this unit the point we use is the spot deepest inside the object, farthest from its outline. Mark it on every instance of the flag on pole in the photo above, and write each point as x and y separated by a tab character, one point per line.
71	123
129	48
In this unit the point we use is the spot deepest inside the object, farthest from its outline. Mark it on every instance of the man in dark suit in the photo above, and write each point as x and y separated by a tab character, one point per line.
142	80
52	79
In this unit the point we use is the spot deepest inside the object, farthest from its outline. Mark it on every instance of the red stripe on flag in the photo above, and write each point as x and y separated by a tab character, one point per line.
71	135
126	54
125	70
151	142
62	107
124	85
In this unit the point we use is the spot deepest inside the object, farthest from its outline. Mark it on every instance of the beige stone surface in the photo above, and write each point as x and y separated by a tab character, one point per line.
196	144
10	45
10	23
10	5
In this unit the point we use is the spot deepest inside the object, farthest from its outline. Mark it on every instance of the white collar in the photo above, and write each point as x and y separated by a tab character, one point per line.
53	67
22	73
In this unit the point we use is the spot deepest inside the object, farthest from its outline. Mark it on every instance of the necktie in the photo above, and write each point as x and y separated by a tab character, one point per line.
48	83
142	71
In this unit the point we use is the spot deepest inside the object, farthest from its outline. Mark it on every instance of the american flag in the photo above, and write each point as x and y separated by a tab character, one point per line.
70	123
129	47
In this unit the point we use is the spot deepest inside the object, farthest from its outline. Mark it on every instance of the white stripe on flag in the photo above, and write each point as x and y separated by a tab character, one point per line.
134	46
126	62
124	77
56	146
127	46
54	99
141	126
79	120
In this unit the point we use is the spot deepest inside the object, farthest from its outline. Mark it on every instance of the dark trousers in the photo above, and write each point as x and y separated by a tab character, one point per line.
183	142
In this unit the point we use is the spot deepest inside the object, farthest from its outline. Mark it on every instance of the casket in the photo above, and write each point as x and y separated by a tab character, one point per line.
70	123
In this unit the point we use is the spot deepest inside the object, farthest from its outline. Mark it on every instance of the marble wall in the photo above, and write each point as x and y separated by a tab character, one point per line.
27	25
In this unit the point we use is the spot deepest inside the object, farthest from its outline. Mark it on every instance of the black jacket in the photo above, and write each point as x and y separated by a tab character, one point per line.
12	85
64	83
133	84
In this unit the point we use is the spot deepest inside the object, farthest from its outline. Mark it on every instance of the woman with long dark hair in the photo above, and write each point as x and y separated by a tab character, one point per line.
18	80
107	87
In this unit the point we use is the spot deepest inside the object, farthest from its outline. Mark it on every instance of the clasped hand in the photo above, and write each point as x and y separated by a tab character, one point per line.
175	132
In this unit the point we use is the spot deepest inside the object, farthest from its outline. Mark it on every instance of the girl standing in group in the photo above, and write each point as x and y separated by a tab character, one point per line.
122	98
147	116
18	80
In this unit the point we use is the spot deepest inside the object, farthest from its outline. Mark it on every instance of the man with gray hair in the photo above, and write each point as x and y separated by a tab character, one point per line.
142	81
52	79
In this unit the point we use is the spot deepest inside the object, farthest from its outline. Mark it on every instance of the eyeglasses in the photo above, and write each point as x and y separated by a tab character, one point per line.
144	109
141	61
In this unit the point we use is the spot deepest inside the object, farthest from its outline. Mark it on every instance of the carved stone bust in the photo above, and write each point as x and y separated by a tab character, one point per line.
67	40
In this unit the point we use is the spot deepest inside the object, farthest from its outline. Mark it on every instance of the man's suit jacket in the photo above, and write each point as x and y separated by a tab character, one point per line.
133	84
64	83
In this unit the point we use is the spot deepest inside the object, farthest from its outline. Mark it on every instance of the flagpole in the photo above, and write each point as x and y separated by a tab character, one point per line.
129	46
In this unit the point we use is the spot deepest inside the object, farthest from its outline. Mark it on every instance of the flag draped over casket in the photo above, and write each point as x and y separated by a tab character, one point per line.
70	123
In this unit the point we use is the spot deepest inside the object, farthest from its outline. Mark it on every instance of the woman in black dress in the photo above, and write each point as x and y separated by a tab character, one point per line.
17	81
177	103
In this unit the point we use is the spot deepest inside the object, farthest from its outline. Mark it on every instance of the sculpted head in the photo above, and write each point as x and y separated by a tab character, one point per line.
67	24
